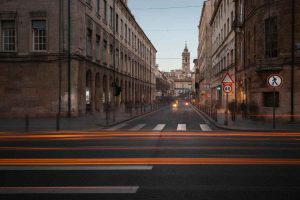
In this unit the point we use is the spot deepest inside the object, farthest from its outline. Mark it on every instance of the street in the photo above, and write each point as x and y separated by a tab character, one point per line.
172	153
181	118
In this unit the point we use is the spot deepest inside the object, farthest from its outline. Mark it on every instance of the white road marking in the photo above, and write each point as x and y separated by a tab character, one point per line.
77	168
70	190
205	127
138	127
181	127
159	127
117	127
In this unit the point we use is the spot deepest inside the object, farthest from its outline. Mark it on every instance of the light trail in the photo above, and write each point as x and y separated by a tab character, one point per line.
147	134
145	148
147	161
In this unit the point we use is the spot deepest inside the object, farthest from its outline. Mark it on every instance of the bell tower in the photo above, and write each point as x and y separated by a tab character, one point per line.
186	57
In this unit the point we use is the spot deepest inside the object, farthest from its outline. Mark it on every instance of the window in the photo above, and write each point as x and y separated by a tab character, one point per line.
228	60
111	21
132	38
231	57
122	61
269	97
89	42
111	54
129	36
271	50
97	6
117	23
105	10
104	51
231	20
122	27
228	29
97	47
39	35
8	35
117	58
125	31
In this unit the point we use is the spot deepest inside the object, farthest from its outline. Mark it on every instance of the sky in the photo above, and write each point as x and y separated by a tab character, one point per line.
168	27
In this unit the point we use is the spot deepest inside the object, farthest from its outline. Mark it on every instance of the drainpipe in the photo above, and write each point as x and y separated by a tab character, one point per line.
293	59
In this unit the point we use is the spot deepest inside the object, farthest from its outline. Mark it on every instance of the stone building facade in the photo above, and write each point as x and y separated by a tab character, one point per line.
203	65
223	48
265	44
182	78
108	51
186	60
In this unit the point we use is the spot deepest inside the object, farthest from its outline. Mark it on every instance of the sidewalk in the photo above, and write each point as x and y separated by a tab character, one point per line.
88	122
241	124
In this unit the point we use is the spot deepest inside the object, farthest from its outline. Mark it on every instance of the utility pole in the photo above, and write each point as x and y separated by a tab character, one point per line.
59	61
69	59
293	59
150	79
114	52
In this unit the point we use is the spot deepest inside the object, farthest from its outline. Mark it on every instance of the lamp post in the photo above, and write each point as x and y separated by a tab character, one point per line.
114	60
293	58
69	59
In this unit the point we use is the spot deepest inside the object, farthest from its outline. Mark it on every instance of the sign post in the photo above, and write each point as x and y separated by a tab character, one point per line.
274	81
227	88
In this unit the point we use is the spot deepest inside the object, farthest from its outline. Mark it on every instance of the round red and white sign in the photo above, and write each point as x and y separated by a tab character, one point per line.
275	80
227	88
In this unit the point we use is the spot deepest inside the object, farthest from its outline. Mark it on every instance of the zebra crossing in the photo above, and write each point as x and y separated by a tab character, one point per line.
159	127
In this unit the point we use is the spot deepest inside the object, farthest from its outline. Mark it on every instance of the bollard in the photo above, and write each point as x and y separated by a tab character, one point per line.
27	123
58	122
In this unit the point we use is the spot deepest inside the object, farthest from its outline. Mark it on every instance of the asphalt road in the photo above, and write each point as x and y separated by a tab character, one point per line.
181	118
144	163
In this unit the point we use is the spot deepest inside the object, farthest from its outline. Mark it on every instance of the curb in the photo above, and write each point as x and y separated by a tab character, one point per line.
236	129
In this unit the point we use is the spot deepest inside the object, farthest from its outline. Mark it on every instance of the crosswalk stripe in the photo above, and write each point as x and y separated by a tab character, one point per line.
181	127
138	127
117	127
159	127
205	127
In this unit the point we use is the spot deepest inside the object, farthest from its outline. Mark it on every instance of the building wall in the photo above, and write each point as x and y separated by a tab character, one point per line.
30	80
204	54
254	66
223	48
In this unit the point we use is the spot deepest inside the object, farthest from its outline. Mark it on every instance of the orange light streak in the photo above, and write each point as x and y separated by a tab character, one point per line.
145	148
156	134
148	161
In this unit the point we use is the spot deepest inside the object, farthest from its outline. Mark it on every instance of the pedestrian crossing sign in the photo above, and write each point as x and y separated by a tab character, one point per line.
227	79
275	80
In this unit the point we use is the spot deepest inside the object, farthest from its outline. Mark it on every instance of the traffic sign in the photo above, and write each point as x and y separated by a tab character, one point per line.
227	79
227	88
275	80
